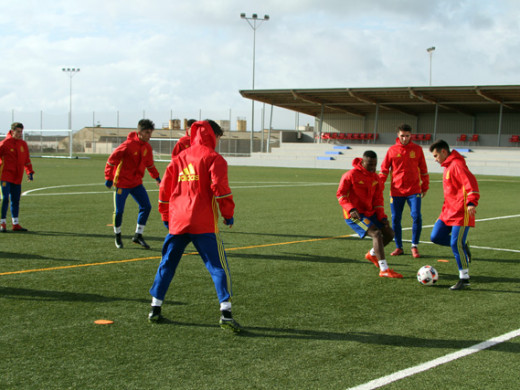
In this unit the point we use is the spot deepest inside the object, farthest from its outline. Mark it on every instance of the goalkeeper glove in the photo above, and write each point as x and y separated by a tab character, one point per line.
229	221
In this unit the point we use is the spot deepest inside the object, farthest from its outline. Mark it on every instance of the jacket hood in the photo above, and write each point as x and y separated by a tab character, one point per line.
9	135
202	134
357	163
454	155
132	136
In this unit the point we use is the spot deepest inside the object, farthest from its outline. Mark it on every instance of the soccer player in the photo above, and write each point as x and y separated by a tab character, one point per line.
360	194
125	170
410	181
184	141
14	159
461	196
195	186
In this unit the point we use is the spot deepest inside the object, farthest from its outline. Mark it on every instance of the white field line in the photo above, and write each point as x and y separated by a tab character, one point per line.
385	380
258	185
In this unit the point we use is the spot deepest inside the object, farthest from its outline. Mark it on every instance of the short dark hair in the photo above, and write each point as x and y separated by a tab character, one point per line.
216	128
17	125
145	124
190	122
404	127
370	154
439	145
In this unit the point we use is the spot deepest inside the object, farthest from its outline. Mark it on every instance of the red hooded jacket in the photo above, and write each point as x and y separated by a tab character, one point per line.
361	190
126	165
14	159
195	185
460	189
409	171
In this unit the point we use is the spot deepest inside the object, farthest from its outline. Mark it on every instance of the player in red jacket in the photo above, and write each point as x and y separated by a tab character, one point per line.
461	196
194	187
185	141
14	160
360	194
125	170
410	181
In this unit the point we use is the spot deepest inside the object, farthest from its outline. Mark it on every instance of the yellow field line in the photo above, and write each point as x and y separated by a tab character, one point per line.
158	257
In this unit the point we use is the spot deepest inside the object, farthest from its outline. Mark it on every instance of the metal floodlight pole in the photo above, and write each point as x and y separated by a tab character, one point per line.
254	21
71	72
430	50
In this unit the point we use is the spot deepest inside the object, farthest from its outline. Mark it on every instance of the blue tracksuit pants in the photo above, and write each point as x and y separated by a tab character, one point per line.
210	249
397	206
11	191
140	196
454	236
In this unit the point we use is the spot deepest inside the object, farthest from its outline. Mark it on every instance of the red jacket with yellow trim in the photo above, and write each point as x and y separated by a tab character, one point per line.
183	143
195	186
409	171
361	190
14	159
460	189
126	165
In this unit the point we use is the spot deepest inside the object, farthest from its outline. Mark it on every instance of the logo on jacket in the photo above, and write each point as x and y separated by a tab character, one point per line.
188	174
412	154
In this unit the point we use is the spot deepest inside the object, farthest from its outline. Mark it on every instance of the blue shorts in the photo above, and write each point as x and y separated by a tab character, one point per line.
361	226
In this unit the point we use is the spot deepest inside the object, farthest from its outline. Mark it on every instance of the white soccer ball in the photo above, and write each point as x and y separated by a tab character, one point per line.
427	275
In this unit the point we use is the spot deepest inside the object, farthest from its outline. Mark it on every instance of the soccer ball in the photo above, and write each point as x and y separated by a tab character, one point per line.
427	275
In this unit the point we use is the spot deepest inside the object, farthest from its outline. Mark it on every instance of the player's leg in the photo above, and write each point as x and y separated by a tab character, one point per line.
141	197
441	234
211	250
172	251
120	196
459	235
381	236
397	205
16	193
5	205
414	201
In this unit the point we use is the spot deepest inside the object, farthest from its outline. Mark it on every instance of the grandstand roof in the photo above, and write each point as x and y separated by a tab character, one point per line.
468	100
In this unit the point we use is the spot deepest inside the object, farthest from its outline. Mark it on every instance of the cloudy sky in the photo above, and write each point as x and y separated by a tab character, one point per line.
176	58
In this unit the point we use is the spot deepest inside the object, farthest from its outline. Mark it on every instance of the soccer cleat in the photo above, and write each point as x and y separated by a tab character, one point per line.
119	241
139	240
390	273
468	252
3	228
227	322
397	252
460	285
18	228
373	259
155	314
415	252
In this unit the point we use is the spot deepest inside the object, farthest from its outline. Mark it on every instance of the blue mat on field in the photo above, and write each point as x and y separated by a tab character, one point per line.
463	150
333	152
341	147
324	158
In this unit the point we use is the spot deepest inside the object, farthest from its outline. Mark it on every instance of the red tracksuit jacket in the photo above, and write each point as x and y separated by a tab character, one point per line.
460	189
361	190
126	165
195	185
14	159
409	171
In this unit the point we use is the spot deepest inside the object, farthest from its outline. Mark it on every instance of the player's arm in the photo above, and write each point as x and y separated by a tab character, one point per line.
221	190
113	161
343	196
385	167
165	191
423	171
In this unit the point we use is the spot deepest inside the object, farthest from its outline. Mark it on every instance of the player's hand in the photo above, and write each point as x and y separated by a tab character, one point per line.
166	224
354	214
423	194
229	221
472	210
385	222
30	176
109	183
158	181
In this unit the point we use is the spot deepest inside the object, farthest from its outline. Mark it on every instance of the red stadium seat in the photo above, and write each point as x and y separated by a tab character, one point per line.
515	139
473	139
462	138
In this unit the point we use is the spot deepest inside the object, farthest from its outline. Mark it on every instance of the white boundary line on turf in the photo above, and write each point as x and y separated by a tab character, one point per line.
385	380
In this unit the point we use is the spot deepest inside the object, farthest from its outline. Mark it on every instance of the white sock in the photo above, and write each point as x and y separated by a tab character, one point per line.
464	274
2	220
372	252
139	229
383	266
156	302
117	230
225	306
15	221
414	245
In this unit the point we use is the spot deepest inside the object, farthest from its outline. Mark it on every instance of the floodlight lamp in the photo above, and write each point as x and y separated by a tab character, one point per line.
430	49
266	17
243	15
255	16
